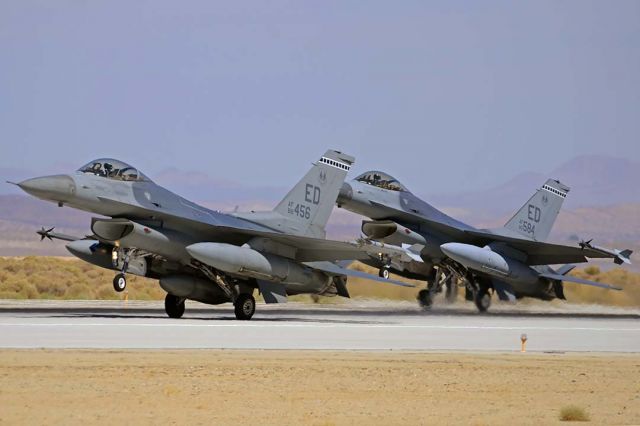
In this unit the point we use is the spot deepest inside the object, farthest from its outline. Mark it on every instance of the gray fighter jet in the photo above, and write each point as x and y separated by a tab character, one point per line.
201	254
512	261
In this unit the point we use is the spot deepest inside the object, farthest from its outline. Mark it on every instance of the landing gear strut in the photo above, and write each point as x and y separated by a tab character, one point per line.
245	306
452	289
174	306
120	280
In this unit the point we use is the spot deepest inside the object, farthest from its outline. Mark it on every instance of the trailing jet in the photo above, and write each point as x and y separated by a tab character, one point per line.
512	261
205	255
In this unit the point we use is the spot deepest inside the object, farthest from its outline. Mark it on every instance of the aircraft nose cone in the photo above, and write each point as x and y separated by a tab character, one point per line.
55	188
345	194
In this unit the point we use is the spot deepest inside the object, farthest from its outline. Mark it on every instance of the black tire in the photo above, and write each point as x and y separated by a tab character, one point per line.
245	307
482	299
119	282
174	306
425	300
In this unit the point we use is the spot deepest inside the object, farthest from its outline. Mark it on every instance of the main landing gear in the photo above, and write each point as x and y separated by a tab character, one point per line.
435	283
482	299
245	306
174	306
425	298
479	290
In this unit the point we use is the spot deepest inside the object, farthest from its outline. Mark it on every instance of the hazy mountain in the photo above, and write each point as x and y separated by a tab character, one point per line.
595	181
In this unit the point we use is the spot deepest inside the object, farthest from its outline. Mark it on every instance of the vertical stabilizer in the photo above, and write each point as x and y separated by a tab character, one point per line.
309	204
536	218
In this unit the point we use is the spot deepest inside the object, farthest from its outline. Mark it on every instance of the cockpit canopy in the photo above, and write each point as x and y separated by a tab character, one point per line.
381	180
112	169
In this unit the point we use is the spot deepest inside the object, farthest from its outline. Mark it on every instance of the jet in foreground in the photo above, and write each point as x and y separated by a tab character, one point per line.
513	261
201	254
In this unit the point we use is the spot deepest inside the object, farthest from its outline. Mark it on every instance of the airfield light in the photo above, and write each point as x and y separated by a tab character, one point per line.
523	340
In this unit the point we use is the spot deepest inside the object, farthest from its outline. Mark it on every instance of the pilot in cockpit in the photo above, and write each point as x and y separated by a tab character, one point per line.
97	169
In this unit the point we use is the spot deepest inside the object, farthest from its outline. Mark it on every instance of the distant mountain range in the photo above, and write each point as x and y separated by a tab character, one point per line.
595	181
604	203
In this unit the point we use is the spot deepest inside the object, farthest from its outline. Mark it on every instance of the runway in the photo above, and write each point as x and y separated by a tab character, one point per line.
352	326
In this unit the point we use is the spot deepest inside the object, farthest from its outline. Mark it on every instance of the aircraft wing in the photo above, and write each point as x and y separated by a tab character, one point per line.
454	229
332	268
576	280
218	225
310	249
538	252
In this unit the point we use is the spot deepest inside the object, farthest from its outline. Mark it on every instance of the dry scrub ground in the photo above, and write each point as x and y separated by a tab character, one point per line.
315	388
72	279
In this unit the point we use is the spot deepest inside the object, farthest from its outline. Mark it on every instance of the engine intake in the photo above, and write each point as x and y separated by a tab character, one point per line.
391	232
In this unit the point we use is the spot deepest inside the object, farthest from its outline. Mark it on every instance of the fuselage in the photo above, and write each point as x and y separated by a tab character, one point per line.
166	224
382	198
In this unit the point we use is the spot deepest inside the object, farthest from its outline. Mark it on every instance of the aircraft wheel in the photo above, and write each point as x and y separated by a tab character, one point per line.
424	299
173	306
119	282
384	273
483	300
245	306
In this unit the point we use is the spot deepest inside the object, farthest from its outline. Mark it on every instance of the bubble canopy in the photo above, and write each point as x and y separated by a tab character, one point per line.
381	180
113	169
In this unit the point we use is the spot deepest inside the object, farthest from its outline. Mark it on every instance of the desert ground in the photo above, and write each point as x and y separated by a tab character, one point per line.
313	387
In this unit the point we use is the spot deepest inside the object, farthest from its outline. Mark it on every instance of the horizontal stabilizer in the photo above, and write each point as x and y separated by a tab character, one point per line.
564	270
333	269
576	280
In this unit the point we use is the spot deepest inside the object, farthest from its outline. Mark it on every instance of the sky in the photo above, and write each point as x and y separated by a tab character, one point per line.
452	95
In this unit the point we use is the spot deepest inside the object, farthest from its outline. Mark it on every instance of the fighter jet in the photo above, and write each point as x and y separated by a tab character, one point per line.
512	261
204	255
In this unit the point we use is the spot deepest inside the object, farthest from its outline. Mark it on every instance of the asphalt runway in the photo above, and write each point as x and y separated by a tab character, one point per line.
353	326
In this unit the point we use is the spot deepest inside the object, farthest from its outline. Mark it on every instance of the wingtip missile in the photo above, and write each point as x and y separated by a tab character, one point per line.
619	256
45	233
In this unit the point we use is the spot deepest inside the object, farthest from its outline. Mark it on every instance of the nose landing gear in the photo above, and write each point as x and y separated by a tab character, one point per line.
384	272
119	282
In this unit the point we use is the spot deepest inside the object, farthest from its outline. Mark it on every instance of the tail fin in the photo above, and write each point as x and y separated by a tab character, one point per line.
309	204
536	218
